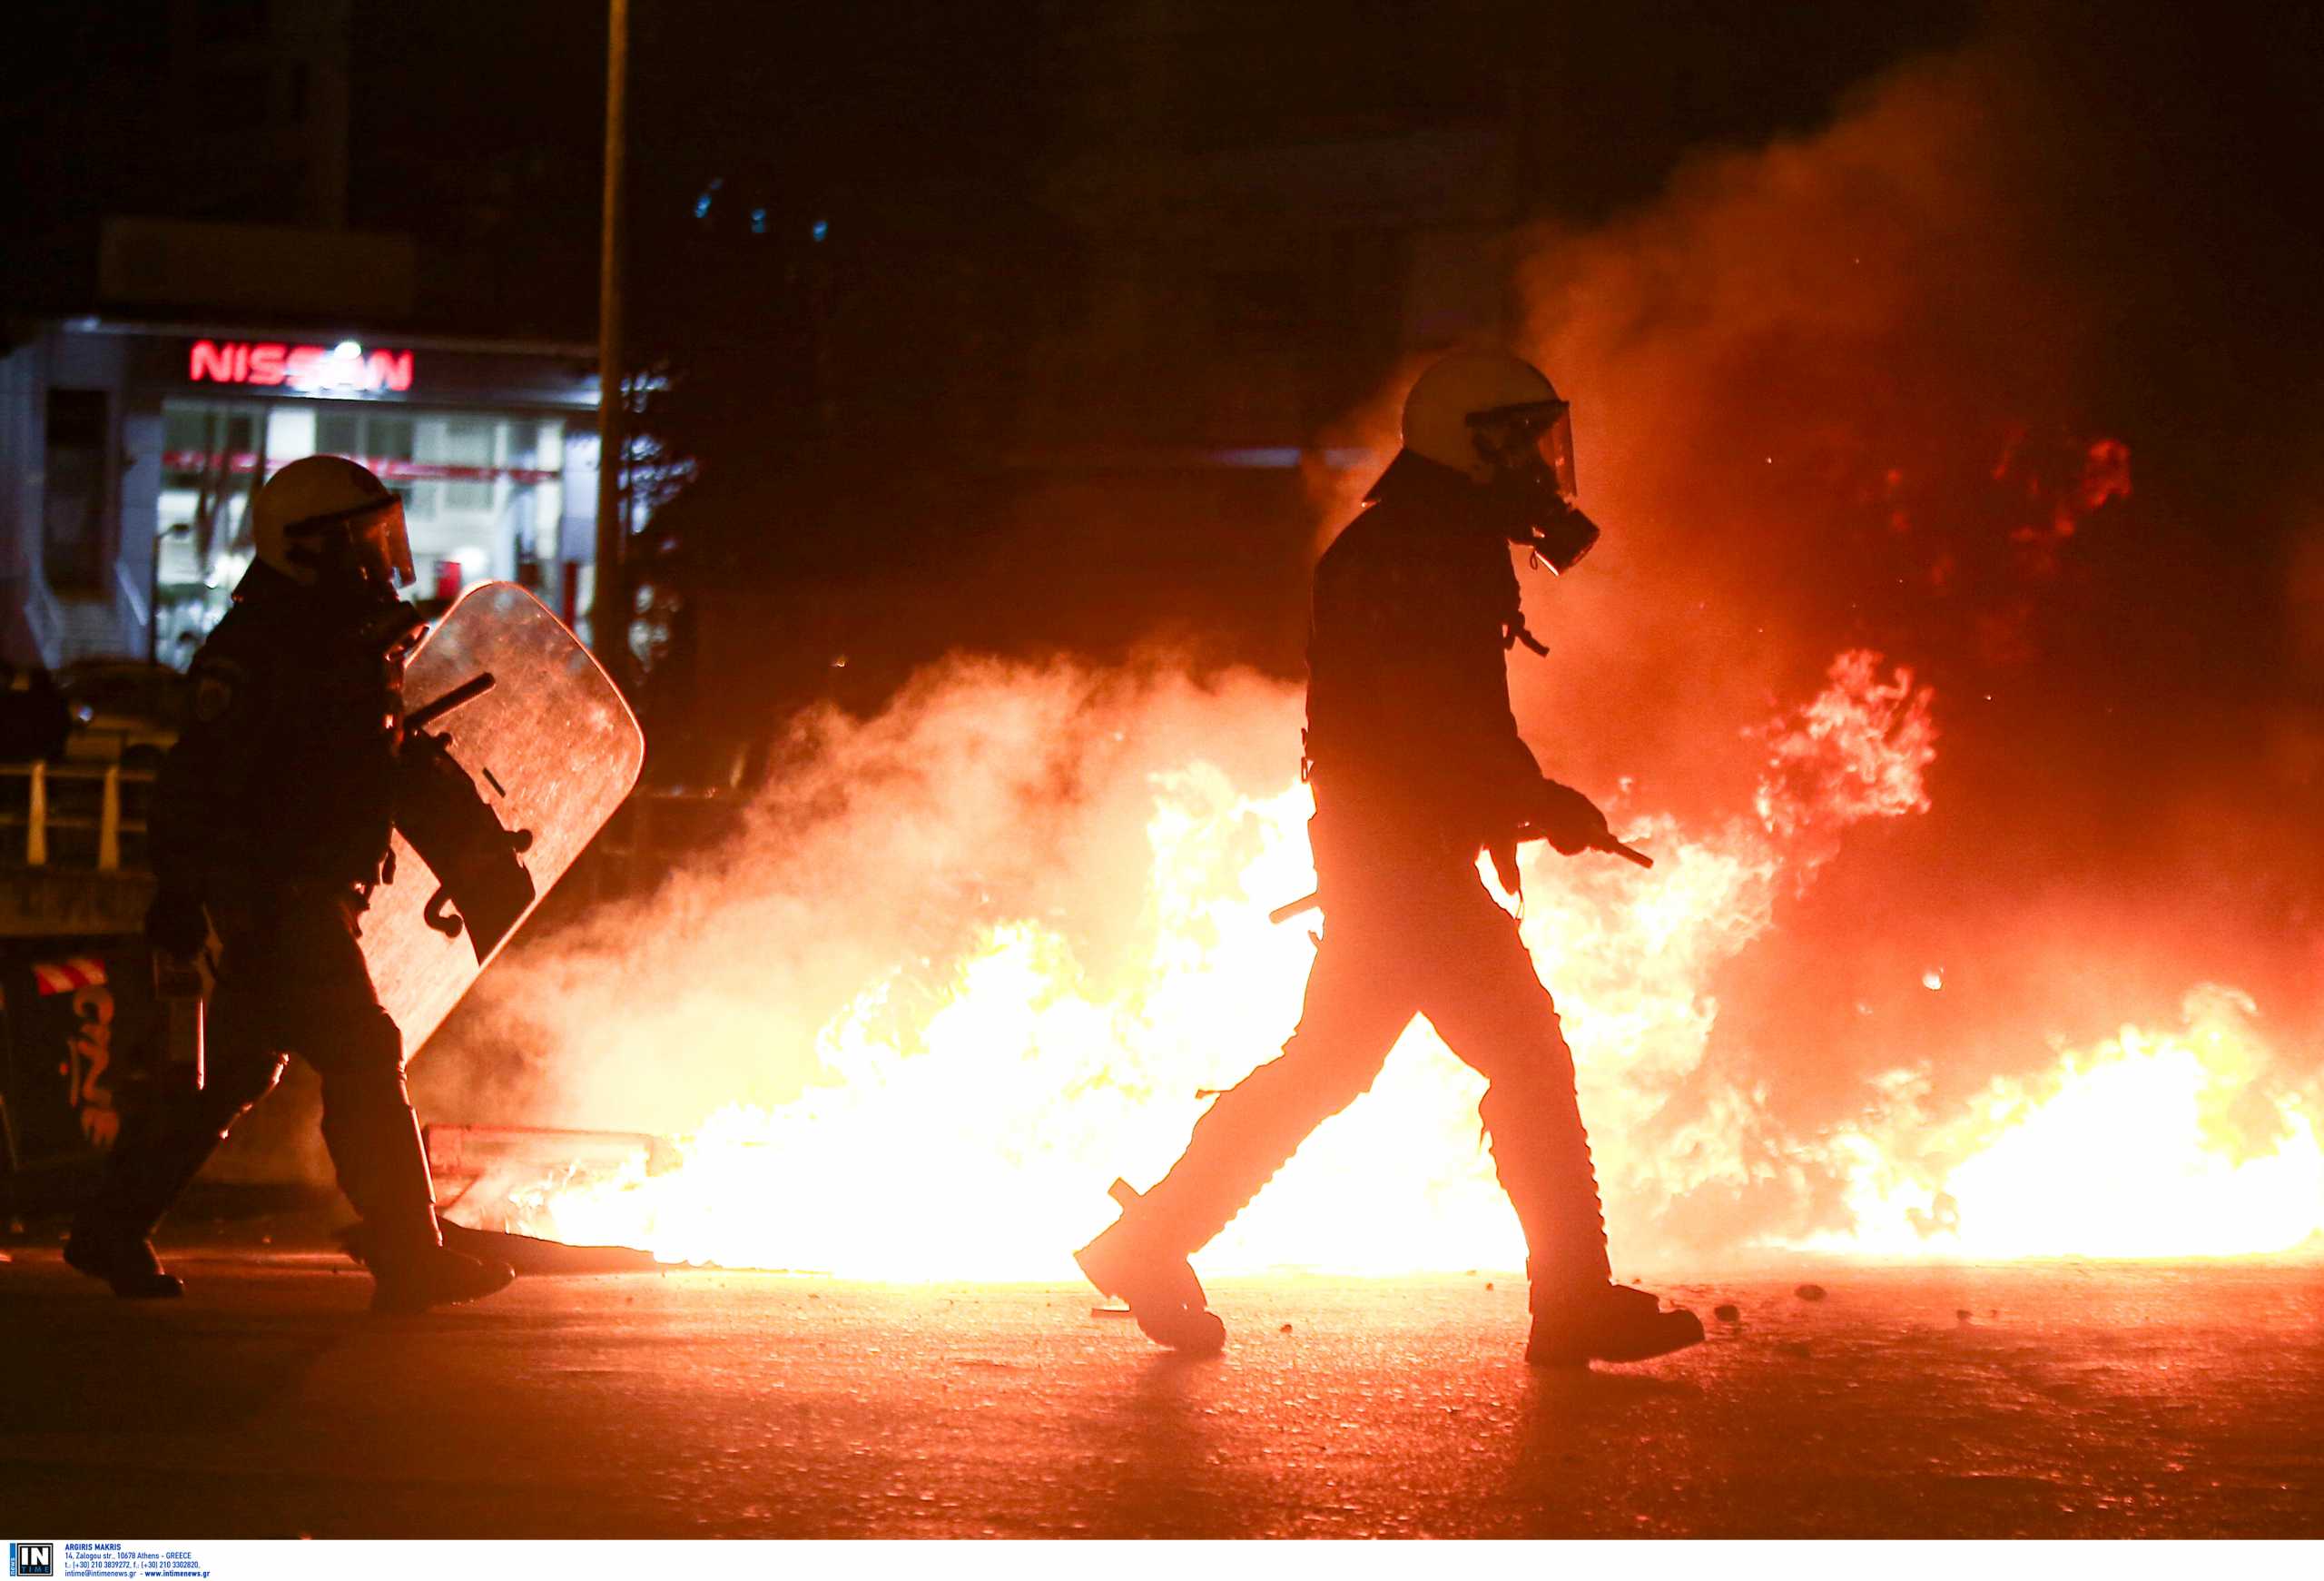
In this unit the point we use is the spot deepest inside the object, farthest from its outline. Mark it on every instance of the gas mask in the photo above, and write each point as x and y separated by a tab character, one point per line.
1530	490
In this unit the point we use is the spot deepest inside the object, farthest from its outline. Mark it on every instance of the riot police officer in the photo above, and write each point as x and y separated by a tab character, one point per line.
268	829
1417	766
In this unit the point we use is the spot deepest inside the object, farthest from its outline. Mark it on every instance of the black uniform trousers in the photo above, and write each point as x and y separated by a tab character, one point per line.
292	979
1406	938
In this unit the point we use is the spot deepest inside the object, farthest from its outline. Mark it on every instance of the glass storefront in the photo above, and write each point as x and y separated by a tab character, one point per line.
483	494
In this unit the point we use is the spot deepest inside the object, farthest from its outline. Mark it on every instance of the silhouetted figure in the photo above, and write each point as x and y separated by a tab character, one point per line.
269	824
1417	768
34	719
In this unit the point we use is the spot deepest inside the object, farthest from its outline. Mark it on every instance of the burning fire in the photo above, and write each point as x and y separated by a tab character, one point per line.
1790	409
2153	1144
969	1111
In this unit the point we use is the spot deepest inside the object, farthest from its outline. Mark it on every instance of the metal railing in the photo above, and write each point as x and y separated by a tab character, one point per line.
91	817
62	804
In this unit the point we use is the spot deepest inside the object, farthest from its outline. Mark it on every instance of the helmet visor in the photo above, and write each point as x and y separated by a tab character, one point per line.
1522	438
369	538
1555	443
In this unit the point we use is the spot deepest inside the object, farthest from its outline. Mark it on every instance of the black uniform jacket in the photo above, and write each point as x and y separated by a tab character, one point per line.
285	773
1413	750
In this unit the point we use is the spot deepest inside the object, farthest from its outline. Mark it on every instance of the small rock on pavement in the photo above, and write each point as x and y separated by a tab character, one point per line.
1286	1329
1728	1312
1810	1292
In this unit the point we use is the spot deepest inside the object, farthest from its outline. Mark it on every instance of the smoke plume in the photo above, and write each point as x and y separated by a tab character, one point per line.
1871	658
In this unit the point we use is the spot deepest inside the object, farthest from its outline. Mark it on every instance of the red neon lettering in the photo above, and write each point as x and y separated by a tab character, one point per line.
215	363
388	370
305	367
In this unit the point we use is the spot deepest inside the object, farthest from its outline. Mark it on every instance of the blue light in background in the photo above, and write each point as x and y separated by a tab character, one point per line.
758	221
819	229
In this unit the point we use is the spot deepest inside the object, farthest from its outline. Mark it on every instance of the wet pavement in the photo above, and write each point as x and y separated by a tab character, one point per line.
2063	1400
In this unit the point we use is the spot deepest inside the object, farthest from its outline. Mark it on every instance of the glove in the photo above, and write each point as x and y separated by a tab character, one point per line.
1570	821
175	925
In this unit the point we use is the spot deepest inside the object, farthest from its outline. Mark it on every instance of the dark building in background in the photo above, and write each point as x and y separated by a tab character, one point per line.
1222	232
1137	328
1022	327
212	284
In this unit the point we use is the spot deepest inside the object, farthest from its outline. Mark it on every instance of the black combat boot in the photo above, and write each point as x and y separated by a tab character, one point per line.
433	1276
156	1155
1158	1283
121	1257
411	1270
375	1144
1575	1325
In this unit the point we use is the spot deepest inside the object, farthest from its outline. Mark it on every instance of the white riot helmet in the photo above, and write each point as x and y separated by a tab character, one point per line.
326	519
1498	419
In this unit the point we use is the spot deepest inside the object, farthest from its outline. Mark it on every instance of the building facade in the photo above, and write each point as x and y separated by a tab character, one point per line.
129	451
204	291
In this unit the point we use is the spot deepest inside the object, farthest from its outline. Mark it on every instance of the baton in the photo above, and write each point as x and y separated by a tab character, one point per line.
466	692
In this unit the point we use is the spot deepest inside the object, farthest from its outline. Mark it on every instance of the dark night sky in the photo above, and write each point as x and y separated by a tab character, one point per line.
924	134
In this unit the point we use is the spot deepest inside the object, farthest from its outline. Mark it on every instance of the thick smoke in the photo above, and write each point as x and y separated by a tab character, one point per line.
987	793
984	948
1866	387
1846	395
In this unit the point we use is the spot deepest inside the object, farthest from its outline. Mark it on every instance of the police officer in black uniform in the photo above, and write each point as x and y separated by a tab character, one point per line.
268	829
1417	768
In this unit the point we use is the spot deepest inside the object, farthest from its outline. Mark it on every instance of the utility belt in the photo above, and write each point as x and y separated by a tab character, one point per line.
1371	819
1364	852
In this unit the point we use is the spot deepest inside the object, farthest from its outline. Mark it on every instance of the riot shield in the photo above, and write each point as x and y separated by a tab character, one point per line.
518	748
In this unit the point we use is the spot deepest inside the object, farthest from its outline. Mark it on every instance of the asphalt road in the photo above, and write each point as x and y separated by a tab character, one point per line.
2072	1400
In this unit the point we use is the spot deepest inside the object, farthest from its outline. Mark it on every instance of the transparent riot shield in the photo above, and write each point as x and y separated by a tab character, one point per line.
520	748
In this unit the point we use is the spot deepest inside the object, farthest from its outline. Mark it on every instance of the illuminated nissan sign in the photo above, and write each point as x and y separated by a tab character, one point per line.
346	369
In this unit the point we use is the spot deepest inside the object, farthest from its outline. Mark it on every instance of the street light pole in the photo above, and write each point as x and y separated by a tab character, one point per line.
609	596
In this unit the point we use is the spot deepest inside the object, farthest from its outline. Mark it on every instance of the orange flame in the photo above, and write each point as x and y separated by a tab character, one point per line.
2153	1144
969	1133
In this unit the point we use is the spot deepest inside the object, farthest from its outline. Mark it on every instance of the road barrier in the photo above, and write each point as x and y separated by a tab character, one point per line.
74	815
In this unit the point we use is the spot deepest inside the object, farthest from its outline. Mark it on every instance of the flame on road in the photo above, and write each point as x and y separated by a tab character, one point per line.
2153	1144
968	1115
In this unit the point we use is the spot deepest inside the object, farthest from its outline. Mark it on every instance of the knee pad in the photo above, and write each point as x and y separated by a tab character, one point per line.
231	1088
364	1050
1311	1079
374	1044
1537	1106
369	1089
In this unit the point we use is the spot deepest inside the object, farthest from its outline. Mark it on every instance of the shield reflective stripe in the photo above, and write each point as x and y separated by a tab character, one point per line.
553	750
